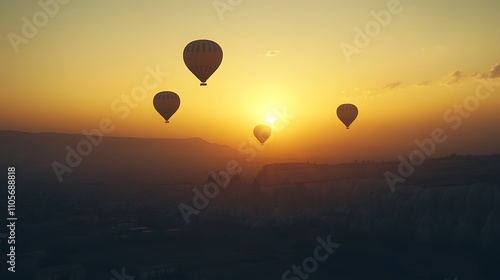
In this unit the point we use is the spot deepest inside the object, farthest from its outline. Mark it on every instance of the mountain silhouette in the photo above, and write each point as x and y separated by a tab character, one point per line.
116	160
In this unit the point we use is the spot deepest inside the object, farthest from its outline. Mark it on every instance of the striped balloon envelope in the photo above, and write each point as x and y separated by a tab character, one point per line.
347	113
202	58
166	103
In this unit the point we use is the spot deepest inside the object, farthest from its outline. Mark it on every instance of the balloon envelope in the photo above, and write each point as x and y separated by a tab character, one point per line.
166	103
347	113
262	133
202	58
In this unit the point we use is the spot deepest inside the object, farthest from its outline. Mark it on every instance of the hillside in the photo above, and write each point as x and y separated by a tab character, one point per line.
115	160
442	171
453	200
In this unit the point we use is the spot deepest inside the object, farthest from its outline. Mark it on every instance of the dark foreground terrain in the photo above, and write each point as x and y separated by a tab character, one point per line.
443	222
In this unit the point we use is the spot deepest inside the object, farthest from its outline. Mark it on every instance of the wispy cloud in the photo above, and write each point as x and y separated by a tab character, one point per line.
423	84
454	78
272	53
493	73
392	85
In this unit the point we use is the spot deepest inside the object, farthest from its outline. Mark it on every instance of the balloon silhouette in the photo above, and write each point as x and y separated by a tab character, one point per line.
262	133
166	103
347	113
202	58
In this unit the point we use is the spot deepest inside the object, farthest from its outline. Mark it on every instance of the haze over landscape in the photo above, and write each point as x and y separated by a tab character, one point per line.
256	169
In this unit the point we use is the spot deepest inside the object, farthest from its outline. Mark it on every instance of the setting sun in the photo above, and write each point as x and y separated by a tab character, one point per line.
231	139
382	68
271	120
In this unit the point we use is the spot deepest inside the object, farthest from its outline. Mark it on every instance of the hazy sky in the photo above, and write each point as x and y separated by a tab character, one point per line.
304	57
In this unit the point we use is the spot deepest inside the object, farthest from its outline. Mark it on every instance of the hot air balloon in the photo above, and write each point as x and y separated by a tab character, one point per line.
347	113
166	103
262	133
202	58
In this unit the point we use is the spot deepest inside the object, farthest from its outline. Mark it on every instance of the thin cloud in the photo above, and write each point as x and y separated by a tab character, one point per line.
492	74
424	83
480	75
392	85
272	53
454	78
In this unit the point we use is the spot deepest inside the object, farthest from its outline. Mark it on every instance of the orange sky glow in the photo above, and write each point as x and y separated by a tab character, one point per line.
282	61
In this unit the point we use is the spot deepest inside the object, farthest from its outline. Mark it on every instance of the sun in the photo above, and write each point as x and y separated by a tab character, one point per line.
271	119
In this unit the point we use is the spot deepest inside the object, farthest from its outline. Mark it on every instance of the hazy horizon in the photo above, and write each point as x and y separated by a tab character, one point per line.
233	139
262	157
404	79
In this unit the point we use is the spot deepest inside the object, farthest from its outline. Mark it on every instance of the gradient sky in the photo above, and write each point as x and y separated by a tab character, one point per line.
277	54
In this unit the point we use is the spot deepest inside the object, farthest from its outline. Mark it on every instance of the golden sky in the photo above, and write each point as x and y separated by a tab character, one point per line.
413	62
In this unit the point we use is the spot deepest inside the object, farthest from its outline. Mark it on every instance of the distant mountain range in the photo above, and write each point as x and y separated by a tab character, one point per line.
114	160
451	170
78	159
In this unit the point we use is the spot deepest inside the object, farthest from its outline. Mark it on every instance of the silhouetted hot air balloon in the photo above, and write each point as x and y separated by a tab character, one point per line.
262	133
166	103
347	113
202	58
